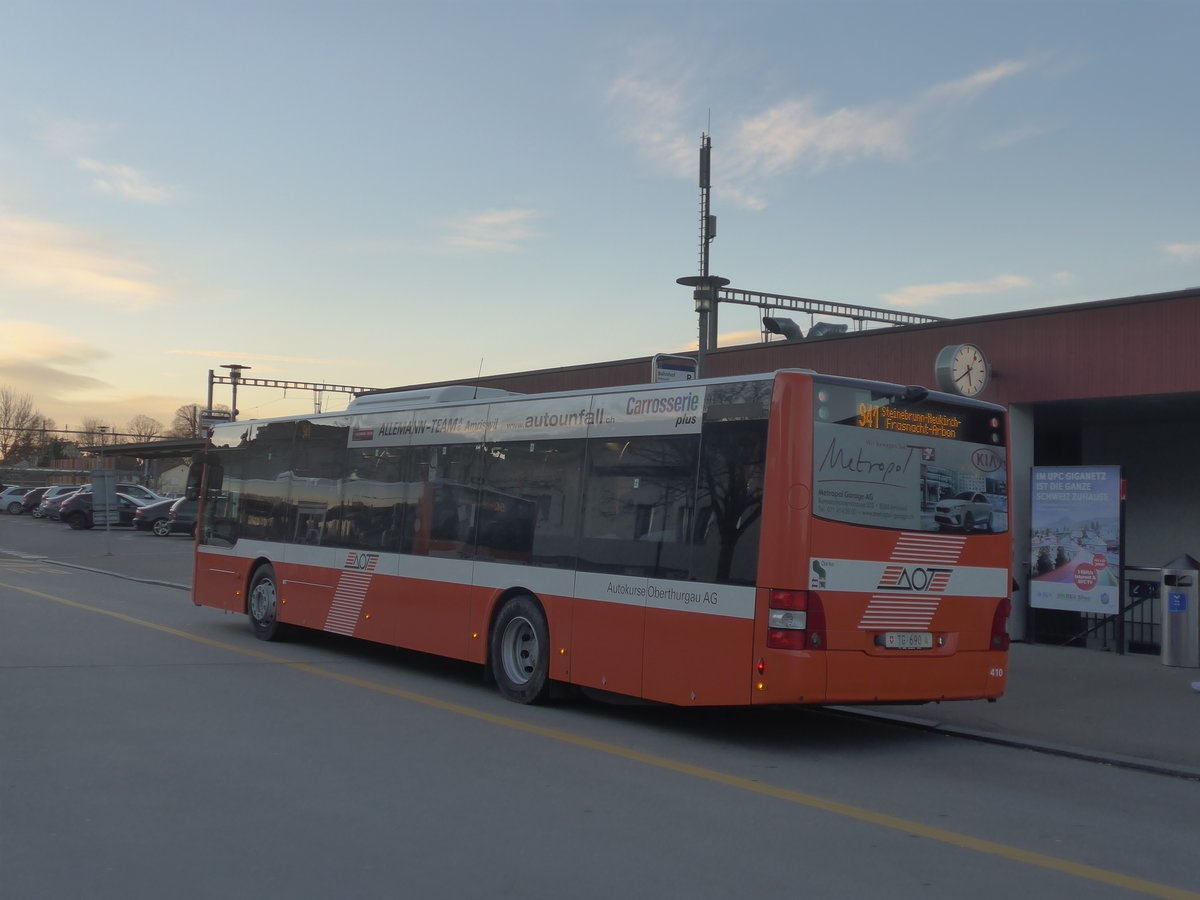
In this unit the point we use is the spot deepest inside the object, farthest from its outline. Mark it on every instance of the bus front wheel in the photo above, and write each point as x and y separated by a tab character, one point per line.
262	605
520	651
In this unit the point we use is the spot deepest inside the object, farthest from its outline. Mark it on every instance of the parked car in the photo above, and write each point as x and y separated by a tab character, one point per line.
53	498
76	510
136	491
10	499
183	516
31	500
966	511
154	517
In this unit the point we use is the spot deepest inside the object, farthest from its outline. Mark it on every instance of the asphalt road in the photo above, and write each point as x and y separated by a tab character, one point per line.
150	749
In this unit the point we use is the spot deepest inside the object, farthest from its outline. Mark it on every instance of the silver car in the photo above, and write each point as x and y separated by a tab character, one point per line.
52	500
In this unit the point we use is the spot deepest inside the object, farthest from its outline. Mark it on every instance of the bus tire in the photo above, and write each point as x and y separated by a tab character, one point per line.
520	650
262	604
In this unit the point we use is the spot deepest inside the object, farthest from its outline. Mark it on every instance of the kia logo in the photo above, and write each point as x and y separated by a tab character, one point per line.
987	460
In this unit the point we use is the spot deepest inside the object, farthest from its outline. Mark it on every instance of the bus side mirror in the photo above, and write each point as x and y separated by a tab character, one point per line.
195	474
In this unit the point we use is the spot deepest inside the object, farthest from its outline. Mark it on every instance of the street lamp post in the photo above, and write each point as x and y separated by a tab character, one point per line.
235	375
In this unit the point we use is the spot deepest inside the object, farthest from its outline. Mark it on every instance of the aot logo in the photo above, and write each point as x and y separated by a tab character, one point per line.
987	460
364	562
921	579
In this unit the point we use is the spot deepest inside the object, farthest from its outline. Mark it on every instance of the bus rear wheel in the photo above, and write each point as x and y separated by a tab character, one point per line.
520	650
262	605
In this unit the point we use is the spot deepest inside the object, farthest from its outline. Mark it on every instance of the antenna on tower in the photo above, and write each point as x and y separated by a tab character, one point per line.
705	285
708	222
708	231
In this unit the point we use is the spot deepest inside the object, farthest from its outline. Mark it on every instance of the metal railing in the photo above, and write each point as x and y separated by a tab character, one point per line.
1137	628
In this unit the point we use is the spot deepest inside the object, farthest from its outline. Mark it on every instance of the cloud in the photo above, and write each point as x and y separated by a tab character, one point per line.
77	138
492	230
740	197
796	131
650	108
124	181
41	360
1182	252
970	87
42	257
41	379
724	339
926	294
23	342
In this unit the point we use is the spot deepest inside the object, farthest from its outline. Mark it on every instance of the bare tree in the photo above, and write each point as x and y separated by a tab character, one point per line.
96	432
17	417
187	420
144	428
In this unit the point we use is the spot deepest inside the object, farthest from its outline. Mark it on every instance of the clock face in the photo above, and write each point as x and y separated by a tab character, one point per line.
969	370
962	369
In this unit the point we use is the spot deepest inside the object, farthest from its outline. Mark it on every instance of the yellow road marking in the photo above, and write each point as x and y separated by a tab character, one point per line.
32	566
908	826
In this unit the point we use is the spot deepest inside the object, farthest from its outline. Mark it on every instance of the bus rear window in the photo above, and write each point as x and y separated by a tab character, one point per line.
921	463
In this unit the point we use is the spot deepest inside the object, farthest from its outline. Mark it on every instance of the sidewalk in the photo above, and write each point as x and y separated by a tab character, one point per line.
1128	710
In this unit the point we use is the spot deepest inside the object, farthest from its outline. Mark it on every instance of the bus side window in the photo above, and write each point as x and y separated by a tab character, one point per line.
372	509
639	497
444	524
529	505
730	496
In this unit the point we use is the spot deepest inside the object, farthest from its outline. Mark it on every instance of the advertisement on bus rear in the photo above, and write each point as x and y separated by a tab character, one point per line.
917	467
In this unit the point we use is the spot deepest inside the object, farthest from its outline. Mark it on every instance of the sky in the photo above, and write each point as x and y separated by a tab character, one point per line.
379	194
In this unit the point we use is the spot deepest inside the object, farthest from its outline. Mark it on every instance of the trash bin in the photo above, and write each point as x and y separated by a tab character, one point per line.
1181	613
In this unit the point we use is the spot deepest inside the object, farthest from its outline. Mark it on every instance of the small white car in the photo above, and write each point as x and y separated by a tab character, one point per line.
10	499
965	511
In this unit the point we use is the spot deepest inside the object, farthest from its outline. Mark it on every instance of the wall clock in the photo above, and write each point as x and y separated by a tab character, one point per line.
962	369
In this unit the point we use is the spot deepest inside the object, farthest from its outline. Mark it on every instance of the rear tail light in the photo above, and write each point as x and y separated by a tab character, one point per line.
1000	638
795	621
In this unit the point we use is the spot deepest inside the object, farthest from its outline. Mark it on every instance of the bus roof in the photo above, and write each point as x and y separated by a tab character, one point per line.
465	393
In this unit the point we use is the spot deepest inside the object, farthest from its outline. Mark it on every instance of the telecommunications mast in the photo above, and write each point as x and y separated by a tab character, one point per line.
705	285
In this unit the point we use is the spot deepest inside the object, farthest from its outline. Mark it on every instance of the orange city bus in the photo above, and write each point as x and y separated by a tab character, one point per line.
784	538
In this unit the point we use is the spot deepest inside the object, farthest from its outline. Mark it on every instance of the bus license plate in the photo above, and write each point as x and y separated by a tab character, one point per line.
908	640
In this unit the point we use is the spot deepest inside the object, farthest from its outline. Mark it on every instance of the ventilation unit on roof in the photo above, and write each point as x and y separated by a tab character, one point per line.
449	394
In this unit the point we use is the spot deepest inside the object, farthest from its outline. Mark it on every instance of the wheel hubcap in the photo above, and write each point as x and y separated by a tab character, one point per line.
262	602
519	650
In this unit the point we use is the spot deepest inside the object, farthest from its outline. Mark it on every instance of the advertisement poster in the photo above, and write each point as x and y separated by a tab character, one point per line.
1075	560
898	480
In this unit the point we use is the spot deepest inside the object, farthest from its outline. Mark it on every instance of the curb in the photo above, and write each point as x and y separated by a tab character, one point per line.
156	581
1172	770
